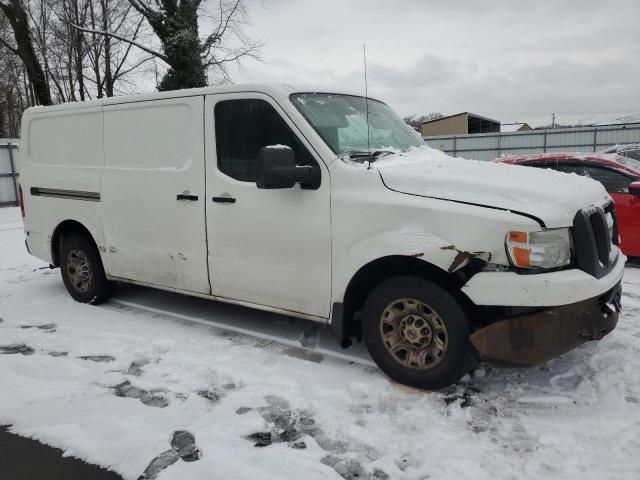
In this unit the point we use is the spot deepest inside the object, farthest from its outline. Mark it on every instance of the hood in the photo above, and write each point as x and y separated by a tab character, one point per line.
550	196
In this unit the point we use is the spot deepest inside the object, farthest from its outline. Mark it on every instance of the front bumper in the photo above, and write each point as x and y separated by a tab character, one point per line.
511	289
533	339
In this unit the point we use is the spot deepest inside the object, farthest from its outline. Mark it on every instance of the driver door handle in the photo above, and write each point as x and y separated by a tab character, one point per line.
224	199
187	196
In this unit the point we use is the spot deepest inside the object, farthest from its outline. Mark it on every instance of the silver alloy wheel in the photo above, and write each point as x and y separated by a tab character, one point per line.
414	334
79	270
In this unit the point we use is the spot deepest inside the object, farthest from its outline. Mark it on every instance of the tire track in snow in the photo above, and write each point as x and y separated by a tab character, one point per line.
284	346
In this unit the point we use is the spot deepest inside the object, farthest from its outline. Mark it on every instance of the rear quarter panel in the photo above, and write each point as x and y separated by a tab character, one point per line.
61	148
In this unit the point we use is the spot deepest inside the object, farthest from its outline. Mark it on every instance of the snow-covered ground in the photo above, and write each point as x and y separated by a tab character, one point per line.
322	415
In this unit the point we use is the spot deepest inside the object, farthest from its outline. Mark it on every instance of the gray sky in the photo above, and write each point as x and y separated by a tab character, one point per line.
507	59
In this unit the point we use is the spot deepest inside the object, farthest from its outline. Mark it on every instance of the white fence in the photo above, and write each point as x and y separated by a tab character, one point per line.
9	168
488	146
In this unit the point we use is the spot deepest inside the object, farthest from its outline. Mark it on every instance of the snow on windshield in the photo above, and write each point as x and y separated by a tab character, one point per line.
349	124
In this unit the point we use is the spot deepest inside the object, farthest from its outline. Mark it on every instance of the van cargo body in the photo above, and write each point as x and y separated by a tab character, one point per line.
327	207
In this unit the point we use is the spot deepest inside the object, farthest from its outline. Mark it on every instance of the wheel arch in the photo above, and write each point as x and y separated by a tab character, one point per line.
345	321
65	229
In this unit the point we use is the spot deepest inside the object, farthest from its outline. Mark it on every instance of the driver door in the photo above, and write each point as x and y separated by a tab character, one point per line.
266	247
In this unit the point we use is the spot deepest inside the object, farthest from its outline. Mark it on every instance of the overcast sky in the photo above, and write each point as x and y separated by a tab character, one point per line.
508	60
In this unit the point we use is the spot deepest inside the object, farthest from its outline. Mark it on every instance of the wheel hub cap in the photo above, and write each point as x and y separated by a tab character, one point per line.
415	330
79	270
414	334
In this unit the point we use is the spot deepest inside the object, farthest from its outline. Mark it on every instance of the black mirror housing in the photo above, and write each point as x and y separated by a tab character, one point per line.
277	169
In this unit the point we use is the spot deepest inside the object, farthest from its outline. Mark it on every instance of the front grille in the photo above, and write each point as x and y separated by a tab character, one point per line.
595	239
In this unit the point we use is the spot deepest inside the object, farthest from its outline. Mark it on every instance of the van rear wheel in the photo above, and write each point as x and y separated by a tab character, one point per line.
417	333
82	270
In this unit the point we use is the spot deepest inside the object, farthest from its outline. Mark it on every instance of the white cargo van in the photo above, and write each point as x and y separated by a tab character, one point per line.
327	207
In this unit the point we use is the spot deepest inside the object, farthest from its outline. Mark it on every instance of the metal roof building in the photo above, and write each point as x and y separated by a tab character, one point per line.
464	123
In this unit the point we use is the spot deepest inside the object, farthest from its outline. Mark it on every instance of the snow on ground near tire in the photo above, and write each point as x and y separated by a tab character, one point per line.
576	417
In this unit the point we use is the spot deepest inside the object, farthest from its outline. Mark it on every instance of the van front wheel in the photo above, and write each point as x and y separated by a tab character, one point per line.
417	333
82	270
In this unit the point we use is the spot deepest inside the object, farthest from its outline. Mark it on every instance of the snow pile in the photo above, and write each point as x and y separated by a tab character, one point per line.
250	409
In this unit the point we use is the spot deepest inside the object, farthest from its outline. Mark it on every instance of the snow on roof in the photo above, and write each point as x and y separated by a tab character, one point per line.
584	119
629	118
510	127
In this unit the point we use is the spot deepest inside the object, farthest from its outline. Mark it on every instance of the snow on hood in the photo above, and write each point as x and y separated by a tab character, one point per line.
551	196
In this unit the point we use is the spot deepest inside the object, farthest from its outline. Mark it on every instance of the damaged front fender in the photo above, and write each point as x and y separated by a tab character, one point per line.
463	258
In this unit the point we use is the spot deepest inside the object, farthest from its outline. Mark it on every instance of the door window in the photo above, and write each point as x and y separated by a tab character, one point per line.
243	127
613	182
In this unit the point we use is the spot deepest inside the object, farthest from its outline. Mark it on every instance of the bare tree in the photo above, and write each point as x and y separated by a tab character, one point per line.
187	55
111	60
54	51
16	93
16	14
80	65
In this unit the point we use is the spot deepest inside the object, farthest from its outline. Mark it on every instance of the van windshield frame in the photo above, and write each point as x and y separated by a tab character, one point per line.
341	121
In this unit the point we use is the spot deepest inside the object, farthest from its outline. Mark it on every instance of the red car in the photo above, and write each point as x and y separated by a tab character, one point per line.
619	175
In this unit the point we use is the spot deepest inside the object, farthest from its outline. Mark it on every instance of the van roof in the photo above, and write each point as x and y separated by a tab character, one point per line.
279	91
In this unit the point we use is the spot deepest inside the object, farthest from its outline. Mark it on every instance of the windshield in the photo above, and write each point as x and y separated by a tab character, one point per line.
341	121
629	163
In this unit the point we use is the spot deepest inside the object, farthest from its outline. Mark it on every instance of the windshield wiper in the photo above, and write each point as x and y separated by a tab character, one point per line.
372	156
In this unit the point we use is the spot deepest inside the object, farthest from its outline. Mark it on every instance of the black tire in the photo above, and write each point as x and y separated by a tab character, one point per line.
438	364
77	253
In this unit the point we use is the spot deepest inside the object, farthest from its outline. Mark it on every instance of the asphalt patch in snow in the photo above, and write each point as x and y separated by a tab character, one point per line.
303	354
58	354
16	348
98	358
287	425
351	469
283	423
153	398
135	368
25	458
215	394
464	394
212	395
47	327
183	446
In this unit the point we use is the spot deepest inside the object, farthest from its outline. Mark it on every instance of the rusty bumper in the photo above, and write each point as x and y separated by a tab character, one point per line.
533	339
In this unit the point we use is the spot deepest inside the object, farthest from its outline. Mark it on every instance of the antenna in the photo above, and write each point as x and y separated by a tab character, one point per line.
366	96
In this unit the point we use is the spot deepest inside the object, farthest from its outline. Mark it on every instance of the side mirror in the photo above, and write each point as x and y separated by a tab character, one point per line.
634	188
277	169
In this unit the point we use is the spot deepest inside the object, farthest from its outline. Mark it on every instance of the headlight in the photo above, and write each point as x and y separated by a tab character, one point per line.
543	249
